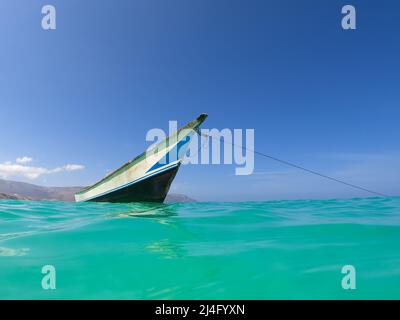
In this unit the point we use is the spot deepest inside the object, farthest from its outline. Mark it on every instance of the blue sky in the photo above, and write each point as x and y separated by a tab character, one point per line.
88	92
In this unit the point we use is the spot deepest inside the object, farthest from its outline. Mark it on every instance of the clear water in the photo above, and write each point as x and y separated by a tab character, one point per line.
252	250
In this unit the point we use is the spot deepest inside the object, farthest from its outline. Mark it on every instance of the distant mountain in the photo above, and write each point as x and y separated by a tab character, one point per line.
4	196
13	190
177	197
27	191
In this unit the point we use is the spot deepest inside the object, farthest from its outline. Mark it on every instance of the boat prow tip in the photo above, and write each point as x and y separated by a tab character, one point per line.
202	117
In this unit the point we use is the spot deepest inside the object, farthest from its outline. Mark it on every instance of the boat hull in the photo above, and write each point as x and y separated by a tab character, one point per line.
151	189
147	177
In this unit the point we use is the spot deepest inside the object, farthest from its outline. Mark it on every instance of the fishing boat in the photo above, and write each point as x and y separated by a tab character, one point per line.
148	177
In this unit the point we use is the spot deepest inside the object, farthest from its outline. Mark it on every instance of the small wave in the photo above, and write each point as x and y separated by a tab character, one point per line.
9	252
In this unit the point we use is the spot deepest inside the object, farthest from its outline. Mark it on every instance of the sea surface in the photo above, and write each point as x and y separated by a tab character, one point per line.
247	250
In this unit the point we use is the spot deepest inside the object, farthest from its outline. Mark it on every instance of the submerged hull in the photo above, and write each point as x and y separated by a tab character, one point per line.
148	177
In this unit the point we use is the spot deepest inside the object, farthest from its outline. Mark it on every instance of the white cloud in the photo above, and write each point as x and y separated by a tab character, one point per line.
19	169
9	169
73	167
23	160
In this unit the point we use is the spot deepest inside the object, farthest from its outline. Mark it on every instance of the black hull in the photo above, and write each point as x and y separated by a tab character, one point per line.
153	189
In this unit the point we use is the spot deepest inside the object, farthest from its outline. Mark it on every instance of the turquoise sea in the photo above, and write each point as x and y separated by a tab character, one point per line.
248	250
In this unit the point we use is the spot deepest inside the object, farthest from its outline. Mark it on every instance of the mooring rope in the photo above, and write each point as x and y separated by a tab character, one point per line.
352	185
